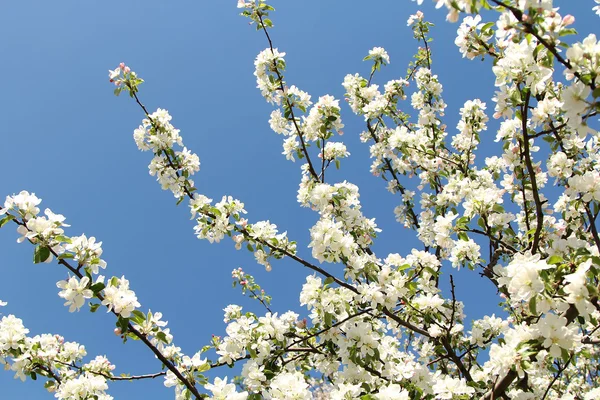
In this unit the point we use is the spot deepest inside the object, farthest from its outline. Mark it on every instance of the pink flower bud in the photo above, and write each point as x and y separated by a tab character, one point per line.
301	324
117	331
568	20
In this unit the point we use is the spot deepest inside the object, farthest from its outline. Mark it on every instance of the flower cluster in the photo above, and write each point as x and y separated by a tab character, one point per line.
48	235
124	79
59	362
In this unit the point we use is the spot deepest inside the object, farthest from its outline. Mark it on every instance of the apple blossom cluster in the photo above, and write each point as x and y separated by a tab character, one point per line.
479	193
262	338
472	37
267	67
472	122
319	125
249	285
216	221
323	118
424	153
58	361
124	79
342	233
172	168
46	232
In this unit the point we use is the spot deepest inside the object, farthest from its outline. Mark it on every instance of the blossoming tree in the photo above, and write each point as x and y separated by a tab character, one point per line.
525	220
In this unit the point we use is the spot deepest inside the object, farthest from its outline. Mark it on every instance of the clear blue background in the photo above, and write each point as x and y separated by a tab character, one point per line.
67	138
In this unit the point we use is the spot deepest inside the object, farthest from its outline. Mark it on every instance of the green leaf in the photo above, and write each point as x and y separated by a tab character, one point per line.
97	287
533	305
94	307
329	280
487	26
481	223
41	254
138	317
328	319
62	238
6	219
403	267
123	324
555	259
565	355
568	31
162	337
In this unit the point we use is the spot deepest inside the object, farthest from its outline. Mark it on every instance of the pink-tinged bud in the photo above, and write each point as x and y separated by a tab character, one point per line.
122	65
301	324
525	18
452	16
268	267
117	331
340	133
568	20
243	283
127	70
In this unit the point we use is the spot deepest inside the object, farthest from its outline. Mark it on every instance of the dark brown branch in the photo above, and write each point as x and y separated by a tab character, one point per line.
532	178
593	228
558	374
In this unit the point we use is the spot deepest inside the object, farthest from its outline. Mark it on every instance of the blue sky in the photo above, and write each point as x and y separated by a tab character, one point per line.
67	138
